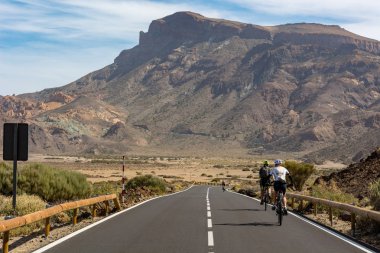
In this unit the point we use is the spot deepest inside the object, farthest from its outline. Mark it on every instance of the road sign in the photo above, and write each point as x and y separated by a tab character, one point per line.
15	147
15	138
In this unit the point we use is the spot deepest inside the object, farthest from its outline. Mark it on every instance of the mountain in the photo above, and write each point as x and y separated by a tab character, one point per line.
196	85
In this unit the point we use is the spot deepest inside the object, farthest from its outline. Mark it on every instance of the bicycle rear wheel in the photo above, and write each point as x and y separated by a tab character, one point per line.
279	206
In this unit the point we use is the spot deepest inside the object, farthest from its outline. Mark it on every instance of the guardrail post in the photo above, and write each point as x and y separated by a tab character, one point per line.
300	208
353	223
107	206
75	217
315	209
93	211
330	216
6	242
117	204
47	226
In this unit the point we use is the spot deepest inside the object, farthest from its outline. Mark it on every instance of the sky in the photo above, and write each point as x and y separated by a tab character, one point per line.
50	43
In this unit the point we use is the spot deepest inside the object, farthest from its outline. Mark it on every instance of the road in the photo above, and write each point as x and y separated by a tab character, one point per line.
202	219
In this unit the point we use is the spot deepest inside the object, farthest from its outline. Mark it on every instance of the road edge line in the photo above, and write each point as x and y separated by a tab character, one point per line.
328	230
65	238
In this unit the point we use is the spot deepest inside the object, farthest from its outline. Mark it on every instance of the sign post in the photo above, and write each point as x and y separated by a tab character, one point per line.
15	147
123	182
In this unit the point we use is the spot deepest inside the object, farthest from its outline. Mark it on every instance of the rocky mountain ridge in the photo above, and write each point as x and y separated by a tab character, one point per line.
195	85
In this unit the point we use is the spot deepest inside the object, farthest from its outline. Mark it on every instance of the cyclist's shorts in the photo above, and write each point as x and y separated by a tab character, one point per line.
279	186
264	182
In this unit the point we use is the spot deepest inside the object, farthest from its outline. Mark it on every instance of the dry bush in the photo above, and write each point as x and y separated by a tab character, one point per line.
25	204
50	184
300	172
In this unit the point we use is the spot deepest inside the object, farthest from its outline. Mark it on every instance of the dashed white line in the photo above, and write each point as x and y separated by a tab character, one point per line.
210	239
209	223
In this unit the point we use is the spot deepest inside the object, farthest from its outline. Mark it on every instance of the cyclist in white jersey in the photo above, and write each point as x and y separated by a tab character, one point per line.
279	174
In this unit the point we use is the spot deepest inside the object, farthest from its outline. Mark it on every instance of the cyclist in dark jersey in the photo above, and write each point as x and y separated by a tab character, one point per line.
264	174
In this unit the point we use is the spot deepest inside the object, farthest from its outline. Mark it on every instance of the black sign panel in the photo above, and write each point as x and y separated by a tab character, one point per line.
22	141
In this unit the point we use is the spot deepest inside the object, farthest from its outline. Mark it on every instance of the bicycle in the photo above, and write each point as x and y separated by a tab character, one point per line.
279	207
266	197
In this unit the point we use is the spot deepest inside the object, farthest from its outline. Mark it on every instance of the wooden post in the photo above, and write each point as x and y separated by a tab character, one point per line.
47	226
300	208
330	216
107	204
93	211
75	217
293	199
6	242
315	209
353	223
117	204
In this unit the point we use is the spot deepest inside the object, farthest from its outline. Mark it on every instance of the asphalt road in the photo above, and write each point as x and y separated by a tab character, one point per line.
202	220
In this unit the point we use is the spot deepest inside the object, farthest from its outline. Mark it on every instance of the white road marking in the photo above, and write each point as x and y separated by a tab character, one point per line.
209	214
210	239
331	232
209	223
51	245
208	208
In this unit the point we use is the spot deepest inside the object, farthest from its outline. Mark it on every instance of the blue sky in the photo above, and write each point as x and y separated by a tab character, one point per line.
50	43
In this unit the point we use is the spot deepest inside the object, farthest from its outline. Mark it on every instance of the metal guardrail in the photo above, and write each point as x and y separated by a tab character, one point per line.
353	210
7	225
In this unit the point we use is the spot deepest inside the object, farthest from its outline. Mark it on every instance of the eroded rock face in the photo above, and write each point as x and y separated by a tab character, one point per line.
357	177
298	87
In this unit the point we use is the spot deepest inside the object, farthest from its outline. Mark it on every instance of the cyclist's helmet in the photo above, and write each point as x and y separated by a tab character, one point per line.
265	162
277	162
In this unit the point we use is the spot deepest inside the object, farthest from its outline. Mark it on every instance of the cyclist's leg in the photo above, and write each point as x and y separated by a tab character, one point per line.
261	190
276	189
284	200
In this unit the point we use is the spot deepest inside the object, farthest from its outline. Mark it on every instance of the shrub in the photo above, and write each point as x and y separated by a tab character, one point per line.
25	204
332	193
375	195
103	188
155	184
50	184
300	172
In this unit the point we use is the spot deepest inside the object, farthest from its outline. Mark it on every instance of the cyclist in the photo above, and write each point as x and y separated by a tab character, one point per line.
279	174
264	174
223	186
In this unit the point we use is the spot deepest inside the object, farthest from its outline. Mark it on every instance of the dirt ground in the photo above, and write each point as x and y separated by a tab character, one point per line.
169	168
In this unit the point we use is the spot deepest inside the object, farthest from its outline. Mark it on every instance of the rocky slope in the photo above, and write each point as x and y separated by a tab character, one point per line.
195	84
356	178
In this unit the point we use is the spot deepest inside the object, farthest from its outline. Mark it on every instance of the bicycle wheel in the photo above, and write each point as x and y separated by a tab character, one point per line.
279	205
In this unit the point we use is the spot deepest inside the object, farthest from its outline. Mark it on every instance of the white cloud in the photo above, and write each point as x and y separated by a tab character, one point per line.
64	28
360	17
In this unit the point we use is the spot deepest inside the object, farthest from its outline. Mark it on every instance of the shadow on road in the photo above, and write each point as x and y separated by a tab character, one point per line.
247	209
264	224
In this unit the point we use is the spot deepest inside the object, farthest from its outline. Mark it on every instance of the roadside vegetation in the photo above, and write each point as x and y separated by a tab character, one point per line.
300	173
375	195
154	184
50	184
